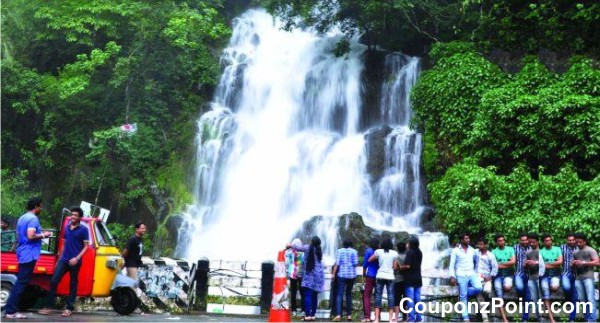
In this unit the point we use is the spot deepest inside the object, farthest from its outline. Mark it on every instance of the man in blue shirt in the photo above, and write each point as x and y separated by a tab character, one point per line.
75	244
370	269
463	271
29	236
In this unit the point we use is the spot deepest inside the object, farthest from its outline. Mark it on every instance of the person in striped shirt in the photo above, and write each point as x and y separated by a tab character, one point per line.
568	276
344	271
521	280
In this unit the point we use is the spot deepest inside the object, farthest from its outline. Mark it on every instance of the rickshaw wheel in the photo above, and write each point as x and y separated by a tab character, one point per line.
124	301
5	293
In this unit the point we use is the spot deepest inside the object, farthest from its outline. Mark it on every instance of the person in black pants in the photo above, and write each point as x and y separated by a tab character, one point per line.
399	280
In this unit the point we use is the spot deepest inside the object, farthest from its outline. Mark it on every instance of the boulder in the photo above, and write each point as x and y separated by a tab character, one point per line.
376	157
349	226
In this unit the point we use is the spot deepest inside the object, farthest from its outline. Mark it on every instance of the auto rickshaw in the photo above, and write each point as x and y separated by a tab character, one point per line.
99	276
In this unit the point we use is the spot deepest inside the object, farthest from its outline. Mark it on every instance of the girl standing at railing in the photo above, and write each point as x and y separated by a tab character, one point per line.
313	280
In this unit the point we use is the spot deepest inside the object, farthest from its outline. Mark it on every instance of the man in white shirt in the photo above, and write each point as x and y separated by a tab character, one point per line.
487	266
463	271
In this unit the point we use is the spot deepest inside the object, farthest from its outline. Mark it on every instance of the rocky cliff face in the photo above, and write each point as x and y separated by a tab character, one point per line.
375	139
350	226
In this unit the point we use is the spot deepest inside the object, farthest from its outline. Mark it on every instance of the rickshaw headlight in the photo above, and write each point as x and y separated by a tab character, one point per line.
112	263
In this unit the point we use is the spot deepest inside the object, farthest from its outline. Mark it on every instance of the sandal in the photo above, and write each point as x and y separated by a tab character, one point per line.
66	313
336	319
15	316
45	311
365	320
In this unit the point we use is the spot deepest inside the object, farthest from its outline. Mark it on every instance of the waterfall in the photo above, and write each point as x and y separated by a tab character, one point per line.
283	142
399	191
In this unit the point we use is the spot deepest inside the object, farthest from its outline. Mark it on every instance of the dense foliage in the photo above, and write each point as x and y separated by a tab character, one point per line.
477	200
508	152
74	71
412	25
535	116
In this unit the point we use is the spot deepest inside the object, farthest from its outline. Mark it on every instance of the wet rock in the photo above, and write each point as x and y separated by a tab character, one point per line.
173	224
429	221
376	151
349	226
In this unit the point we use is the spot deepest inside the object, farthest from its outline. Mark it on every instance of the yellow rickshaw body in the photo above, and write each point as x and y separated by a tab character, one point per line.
103	274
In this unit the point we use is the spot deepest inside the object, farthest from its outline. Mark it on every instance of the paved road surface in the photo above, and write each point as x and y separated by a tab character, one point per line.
110	316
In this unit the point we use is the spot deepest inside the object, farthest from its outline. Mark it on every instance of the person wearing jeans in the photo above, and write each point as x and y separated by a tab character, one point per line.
520	251
399	280
550	281
567	276
369	273
413	281
344	271
23	278
313	280
311	298
503	281
386	256
59	271
29	247
463	271
535	268
77	241
585	258
487	268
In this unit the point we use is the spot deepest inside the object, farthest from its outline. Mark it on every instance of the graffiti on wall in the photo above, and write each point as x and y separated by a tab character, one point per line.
166	285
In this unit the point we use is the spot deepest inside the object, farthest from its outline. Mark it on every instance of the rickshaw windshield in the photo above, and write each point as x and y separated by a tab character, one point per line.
103	236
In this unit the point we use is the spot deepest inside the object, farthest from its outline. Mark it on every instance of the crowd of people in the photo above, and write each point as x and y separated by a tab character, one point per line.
29	236
397	271
535	272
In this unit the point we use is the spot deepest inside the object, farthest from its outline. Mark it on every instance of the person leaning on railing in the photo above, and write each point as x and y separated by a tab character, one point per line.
585	258
550	281
568	276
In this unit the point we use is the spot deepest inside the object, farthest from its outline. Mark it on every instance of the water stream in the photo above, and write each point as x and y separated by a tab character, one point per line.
284	142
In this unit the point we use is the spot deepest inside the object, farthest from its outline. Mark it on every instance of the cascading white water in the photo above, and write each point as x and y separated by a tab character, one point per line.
283	143
399	191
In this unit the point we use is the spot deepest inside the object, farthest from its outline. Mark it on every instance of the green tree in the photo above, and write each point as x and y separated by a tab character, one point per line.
541	119
413	25
478	201
446	97
73	72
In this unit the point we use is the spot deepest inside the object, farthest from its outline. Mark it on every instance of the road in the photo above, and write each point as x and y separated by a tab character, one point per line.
110	316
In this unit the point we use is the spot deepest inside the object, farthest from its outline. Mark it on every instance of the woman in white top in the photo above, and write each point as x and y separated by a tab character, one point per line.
385	276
